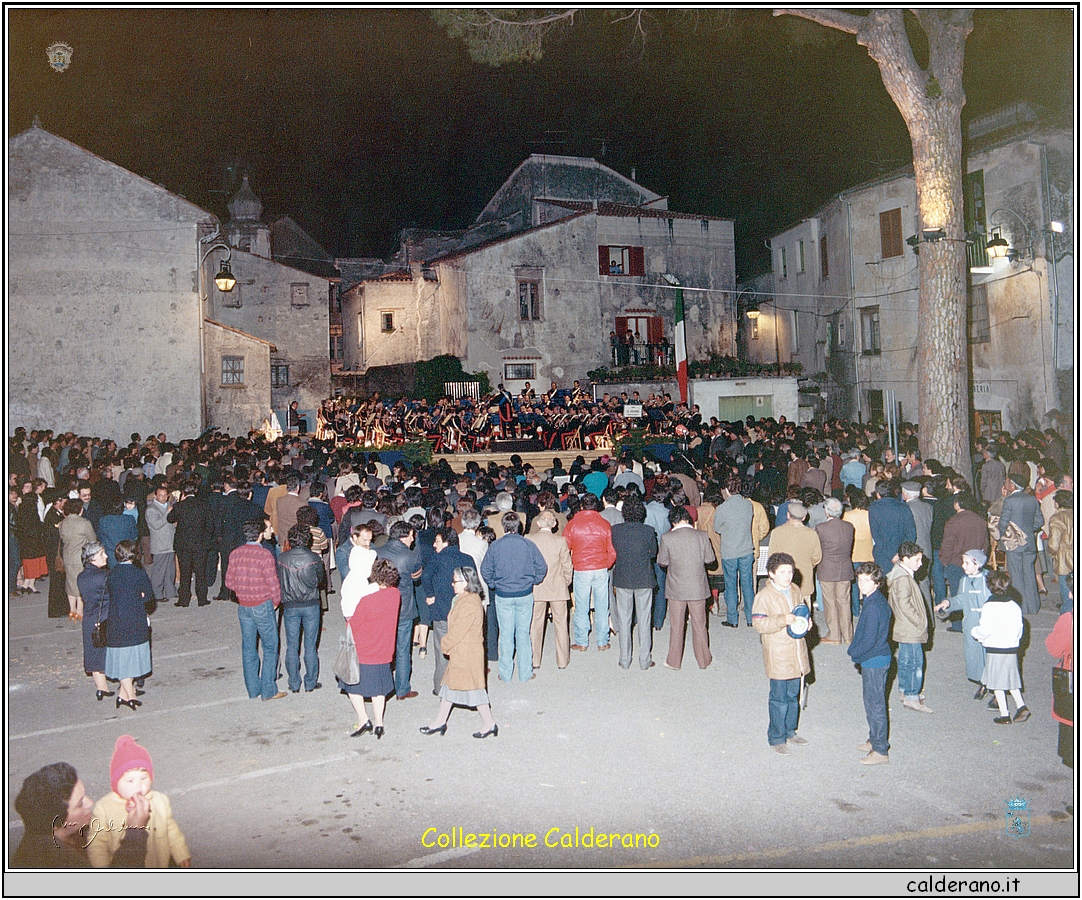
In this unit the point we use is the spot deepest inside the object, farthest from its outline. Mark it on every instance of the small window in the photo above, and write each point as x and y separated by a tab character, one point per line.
621	260
890	233
386	321
875	406
869	330
232	370
279	375
980	331
529	300
795	325
824	258
800	258
783	263
519	371
298	295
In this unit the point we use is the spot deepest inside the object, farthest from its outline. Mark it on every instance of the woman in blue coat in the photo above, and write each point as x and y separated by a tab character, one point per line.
127	654
94	589
970	598
113	528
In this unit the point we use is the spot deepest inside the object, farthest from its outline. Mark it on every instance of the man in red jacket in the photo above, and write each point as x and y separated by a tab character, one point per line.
589	537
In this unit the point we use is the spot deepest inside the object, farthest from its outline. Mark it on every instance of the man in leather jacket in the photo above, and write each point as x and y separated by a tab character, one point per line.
299	571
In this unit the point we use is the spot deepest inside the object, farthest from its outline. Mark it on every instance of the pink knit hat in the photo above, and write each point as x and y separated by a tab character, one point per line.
128	755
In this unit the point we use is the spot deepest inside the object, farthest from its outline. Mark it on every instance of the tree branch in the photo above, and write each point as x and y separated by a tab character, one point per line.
829	17
568	14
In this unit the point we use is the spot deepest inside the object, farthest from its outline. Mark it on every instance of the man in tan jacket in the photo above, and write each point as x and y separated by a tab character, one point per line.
801	543
785	657
910	624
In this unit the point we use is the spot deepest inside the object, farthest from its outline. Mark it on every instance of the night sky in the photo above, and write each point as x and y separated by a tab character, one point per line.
359	122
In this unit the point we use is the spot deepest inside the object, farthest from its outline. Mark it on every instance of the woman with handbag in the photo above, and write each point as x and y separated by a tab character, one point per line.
127	641
464	645
373	627
94	589
1060	643
54	515
75	533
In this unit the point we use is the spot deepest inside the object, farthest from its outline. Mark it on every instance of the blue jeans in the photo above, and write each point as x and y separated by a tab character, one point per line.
659	598
941	586
784	710
294	619
341	558
953	574
856	592
1066	601
742	568
593	582
875	707
259	622
515	615
403	657
910	670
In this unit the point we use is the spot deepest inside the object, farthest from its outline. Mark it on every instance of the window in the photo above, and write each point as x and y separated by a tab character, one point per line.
519	371
980	331
386	321
824	259
232	370
795	325
869	330
800	257
279	375
529	300
890	232
783	265
875	406
620	260
231	298
337	346
298	295
974	220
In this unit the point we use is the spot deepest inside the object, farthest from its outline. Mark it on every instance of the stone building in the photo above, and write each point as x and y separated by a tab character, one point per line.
845	284
566	252
115	321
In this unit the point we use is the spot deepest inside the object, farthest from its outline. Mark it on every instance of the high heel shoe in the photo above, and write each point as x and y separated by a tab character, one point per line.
378	732
131	704
364	729
104	694
494	731
424	729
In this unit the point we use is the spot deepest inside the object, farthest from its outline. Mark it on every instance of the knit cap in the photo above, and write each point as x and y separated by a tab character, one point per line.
128	755
978	556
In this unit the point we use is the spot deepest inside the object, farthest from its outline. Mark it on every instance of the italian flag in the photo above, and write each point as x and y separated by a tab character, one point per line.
680	347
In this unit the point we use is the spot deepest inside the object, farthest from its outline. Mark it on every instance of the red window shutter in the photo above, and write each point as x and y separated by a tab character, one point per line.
655	330
635	261
890	232
621	326
602	260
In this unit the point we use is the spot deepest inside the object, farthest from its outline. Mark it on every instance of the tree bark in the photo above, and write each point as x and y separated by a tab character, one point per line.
930	102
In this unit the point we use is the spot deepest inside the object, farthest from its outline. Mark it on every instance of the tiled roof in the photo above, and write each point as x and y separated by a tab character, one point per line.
619	209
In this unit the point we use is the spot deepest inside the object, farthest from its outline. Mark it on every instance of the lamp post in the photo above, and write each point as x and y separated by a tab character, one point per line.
753	314
225	282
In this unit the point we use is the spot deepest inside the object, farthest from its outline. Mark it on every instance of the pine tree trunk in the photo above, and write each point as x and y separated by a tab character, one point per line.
942	348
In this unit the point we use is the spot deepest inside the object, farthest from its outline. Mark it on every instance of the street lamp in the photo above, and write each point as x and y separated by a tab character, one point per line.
753	313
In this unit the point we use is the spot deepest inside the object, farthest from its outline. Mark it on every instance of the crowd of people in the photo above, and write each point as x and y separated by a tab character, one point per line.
810	528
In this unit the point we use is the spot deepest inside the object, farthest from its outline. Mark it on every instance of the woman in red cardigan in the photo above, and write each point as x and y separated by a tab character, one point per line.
375	624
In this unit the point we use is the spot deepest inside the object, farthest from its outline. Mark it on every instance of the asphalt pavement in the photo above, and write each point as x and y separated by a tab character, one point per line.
676	763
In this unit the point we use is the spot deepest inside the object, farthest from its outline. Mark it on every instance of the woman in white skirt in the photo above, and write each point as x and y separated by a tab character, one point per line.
1000	630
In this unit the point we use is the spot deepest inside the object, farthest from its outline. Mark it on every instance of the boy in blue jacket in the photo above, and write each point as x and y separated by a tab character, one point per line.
871	652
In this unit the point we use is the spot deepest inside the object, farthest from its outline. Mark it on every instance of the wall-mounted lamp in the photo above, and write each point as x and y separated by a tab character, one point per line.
224	279
997	247
753	310
1055	227
932	235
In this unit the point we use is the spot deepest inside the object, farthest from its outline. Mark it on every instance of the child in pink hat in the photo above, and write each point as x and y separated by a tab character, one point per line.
131	773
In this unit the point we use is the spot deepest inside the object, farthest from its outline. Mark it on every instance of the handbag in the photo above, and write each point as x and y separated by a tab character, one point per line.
346	667
1063	693
1014	538
97	636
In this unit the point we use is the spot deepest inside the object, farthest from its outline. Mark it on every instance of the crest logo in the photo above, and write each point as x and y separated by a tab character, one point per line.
1017	817
59	56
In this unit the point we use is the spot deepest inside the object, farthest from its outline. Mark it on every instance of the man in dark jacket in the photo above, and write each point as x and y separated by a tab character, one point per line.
633	578
299	573
192	541
398	550
891	523
436	583
235	510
